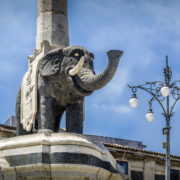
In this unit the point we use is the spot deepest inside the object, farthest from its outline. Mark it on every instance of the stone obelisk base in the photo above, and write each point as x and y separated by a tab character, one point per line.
54	156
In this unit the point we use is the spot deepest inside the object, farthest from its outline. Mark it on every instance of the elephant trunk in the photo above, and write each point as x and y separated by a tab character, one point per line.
87	80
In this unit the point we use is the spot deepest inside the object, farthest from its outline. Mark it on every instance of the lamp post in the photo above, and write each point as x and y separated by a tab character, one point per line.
160	92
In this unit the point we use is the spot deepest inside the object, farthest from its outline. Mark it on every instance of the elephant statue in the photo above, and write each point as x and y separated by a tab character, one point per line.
65	77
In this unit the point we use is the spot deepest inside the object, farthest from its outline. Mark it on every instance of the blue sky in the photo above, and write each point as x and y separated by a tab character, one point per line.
145	30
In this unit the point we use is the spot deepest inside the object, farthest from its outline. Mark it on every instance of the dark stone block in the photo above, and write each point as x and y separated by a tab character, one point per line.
34	158
59	158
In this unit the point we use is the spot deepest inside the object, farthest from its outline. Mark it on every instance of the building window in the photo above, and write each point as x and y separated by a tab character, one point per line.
136	175
124	165
174	174
159	177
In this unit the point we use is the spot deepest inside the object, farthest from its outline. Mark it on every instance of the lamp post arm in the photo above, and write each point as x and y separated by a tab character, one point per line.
175	91
171	110
151	101
155	97
174	83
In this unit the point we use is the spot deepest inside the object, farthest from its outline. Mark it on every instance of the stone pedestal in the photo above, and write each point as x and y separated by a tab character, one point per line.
53	156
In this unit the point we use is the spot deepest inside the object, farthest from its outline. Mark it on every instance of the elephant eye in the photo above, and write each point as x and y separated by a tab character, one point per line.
76	54
92	56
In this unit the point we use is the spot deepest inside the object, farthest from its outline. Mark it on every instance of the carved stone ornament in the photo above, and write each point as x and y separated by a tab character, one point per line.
29	88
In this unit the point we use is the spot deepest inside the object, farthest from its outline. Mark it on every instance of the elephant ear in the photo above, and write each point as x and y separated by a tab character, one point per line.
51	63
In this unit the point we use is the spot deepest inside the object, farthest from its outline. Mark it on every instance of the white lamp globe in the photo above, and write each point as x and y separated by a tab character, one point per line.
165	91
133	101
150	116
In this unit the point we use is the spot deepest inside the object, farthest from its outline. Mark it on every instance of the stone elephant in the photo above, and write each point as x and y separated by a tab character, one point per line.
65	77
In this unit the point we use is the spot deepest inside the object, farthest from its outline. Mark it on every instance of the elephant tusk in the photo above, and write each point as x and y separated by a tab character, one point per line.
77	68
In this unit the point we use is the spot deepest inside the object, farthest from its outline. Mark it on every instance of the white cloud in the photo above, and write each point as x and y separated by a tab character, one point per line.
118	108
108	98
114	89
137	28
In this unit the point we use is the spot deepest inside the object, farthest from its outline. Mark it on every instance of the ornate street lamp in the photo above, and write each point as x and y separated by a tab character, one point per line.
161	92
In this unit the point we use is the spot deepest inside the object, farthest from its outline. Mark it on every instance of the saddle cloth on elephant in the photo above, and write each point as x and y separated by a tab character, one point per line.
29	88
29	96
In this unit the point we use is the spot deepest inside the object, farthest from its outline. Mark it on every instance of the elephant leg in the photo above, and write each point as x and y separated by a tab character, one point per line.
46	115
75	118
19	127
58	120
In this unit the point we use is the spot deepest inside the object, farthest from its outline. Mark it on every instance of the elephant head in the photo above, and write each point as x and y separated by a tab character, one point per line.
74	65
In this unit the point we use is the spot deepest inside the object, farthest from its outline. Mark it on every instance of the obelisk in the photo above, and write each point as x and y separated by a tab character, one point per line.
52	23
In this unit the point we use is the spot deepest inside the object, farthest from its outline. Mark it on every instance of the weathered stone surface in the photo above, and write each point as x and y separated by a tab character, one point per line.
52	23
55	6
56	155
27	96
